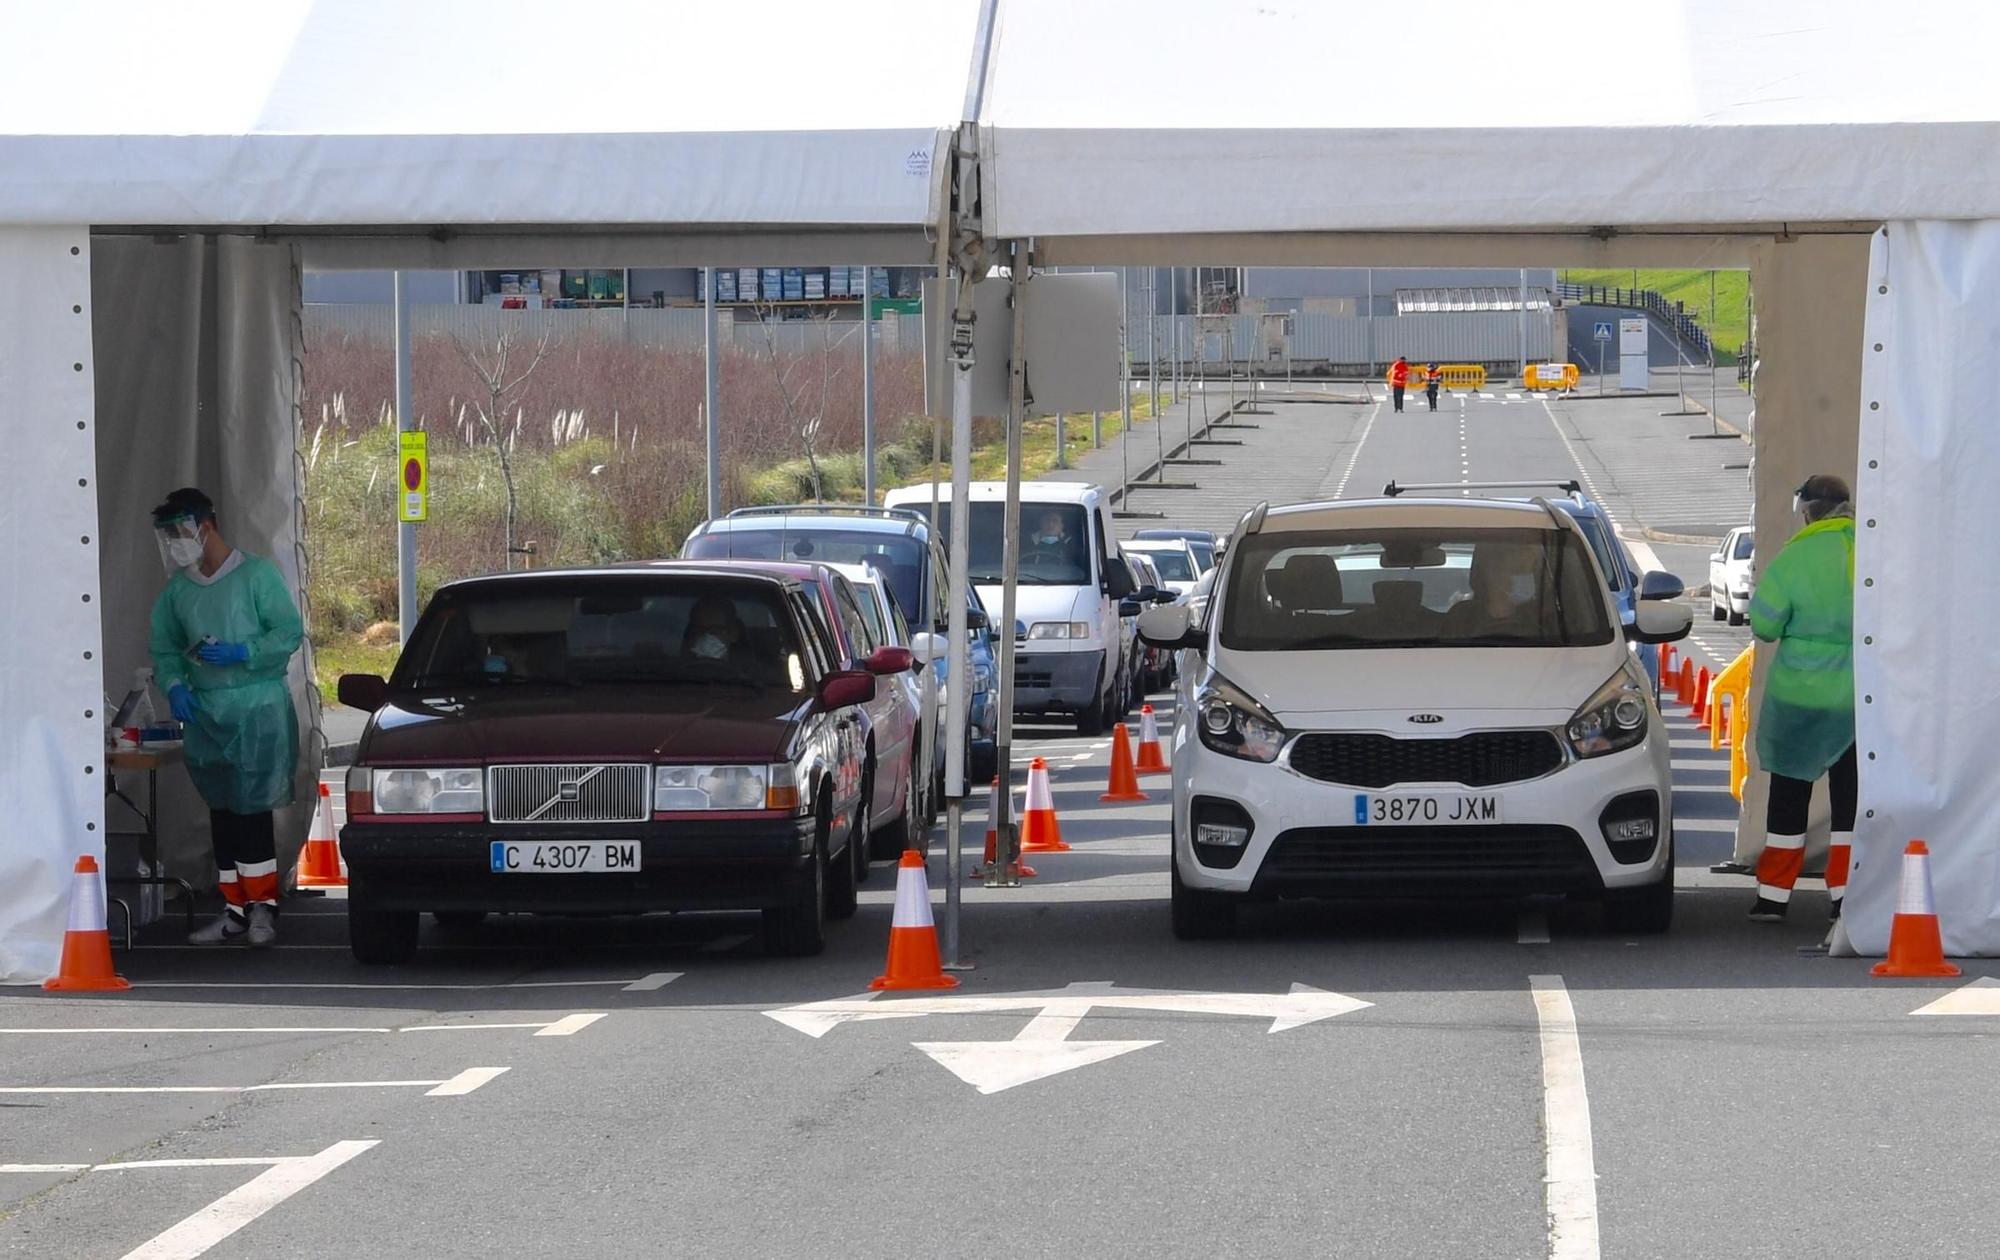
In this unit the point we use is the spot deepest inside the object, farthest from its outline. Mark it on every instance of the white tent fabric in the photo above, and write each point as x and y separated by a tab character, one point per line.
1296	116
467	112
1926	670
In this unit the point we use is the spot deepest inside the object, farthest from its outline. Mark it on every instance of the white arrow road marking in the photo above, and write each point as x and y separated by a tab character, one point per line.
1572	1158
991	1066
198	1233
1981	997
570	1025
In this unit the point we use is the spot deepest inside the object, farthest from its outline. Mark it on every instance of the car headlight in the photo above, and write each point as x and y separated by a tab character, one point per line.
428	791
1059	630
724	787
1612	720
1231	723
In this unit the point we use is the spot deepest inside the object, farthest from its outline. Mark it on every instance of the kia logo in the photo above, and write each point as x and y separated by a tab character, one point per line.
1427	719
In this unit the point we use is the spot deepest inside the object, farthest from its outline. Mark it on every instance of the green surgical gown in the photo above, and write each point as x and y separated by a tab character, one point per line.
1805	604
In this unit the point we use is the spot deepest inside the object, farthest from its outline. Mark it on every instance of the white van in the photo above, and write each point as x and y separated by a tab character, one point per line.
1070	656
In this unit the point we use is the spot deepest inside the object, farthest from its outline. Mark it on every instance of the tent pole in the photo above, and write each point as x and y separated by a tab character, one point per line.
406	533
867	395
1005	850
709	420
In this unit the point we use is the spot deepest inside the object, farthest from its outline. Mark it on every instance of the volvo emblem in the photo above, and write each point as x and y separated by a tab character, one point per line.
1427	719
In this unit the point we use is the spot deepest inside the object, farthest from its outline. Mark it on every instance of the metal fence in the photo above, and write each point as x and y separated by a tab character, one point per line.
1351	341
671	328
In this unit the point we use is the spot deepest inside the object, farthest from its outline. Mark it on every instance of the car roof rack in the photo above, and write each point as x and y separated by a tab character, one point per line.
1572	487
832	509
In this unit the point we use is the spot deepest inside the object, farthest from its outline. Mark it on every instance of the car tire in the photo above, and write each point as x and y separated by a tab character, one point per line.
1715	610
1736	618
1198	915
843	877
799	930
1090	719
904	832
379	938
458	922
1646	912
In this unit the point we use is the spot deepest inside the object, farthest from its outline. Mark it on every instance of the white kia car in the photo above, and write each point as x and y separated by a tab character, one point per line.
1416	698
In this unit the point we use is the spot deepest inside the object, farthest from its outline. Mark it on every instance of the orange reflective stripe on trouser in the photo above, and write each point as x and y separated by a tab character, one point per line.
232	890
1779	865
1837	855
259	882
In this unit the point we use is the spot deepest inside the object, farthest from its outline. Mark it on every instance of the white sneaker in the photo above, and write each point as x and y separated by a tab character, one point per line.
263	929
228	929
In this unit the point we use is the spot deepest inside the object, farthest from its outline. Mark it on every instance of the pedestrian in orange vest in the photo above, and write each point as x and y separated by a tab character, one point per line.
1399	379
1433	377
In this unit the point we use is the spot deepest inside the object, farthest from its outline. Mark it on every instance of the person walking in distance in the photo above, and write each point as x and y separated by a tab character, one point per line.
223	634
1433	377
1804	603
1399	379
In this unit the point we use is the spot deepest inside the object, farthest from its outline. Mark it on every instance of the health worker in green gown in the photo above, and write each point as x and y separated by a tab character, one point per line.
223	635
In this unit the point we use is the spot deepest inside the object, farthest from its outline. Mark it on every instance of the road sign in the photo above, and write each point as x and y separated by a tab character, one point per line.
413	492
1601	330
1042	1049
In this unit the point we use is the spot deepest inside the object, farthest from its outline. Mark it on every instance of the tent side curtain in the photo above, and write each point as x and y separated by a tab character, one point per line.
1926	670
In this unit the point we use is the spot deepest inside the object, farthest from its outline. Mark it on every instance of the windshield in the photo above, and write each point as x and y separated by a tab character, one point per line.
1055	543
1204	553
871	612
1745	544
1409	588
646	631
899	557
1174	566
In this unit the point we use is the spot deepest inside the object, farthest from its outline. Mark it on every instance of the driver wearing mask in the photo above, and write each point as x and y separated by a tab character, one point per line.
1050	533
1504	590
714	629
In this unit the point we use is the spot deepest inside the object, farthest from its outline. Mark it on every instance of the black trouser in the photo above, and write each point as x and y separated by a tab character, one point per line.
1785	820
1397	390
246	858
1431	396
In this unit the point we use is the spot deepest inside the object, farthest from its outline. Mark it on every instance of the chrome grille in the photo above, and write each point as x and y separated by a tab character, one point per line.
569	794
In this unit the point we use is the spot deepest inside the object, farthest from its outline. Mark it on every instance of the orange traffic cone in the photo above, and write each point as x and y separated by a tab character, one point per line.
86	955
1684	685
1021	869
913	943
1701	700
1040	832
1124	783
1666	661
319	861
1151	760
1916	947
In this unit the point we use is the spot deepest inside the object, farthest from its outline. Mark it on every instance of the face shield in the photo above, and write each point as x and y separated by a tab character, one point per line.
180	542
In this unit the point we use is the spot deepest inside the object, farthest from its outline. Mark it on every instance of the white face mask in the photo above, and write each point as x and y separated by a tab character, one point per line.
710	648
180	545
1521	587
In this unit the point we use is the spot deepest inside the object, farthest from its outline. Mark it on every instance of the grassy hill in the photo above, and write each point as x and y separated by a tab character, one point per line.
1732	298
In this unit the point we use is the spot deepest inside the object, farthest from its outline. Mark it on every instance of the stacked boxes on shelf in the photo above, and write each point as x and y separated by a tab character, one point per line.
725	286
746	284
838	281
773	280
794	284
815	285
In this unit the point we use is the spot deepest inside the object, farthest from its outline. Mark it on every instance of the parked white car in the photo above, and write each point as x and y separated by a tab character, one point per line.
1172	558
1416	697
1732	575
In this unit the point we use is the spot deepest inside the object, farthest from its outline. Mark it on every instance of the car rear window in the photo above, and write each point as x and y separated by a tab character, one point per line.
899	557
1174	566
547	631
1412	588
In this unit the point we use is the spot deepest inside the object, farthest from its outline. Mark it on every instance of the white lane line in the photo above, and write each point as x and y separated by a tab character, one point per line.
1533	928
1355	457
1717	763
227	1089
570	1025
723	944
1703	789
467	1027
646	984
1080	757
161	1032
464	1083
245	1161
1572	1159
657	980
42	1168
194	1236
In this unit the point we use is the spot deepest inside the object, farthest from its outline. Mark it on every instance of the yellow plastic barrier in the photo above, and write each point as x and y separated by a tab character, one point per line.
1733	684
1551	376
1452	376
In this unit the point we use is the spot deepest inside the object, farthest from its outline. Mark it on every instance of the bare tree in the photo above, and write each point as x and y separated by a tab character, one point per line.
803	416
502	374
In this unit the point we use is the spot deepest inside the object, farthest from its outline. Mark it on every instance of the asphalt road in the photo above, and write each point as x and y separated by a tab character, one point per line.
1519	1082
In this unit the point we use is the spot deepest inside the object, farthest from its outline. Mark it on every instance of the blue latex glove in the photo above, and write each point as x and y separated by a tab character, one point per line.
180	701
223	653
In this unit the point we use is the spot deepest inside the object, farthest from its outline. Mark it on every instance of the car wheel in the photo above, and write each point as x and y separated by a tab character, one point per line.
844	875
459	922
1090	719
380	938
799	930
1736	618
902	832
1198	915
1646	912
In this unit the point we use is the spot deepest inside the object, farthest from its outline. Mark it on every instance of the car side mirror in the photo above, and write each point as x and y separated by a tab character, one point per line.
1128	608
1715	557
1657	584
1165	596
366	692
888	659
1660	623
1118	583
845	687
927	647
1146	595
976	619
1171	626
